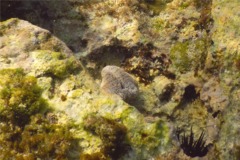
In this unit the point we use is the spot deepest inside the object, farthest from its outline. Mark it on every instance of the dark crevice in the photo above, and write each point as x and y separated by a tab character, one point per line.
146	62
54	17
140	60
190	94
167	94
205	22
105	55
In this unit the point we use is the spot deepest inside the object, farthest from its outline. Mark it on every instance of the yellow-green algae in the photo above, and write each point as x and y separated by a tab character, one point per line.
112	134
40	138
226	37
189	55
54	63
226	25
25	131
144	137
20	97
157	5
158	24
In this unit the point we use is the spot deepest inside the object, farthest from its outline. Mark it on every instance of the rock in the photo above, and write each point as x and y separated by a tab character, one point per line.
226	51
214	96
116	81
22	42
70	90
186	50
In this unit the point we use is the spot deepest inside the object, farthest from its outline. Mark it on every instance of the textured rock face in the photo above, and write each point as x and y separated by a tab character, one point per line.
68	89
20	38
226	37
213	95
183	53
116	81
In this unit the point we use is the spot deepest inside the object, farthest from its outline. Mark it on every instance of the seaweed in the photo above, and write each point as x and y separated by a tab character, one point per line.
25	130
20	97
112	134
41	138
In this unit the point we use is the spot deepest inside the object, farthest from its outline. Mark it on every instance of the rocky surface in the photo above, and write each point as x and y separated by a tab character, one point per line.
184	55
68	88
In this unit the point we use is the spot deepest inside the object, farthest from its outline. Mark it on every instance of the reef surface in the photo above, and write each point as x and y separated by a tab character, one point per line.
181	56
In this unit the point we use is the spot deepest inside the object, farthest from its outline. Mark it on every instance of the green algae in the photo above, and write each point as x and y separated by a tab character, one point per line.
112	134
144	138
25	131
54	63
157	5
94	156
178	55
41	138
20	97
188	55
152	138
184	5
159	24
9	22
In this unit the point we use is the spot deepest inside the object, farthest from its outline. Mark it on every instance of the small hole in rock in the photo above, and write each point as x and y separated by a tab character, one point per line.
215	114
190	94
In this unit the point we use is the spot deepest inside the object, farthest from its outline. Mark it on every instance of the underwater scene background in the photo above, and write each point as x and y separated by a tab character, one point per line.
120	79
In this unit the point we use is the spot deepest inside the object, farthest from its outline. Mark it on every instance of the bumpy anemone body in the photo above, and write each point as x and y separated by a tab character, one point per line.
116	81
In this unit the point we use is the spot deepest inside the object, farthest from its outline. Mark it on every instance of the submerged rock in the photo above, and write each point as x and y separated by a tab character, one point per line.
112	134
70	90
31	47
188	75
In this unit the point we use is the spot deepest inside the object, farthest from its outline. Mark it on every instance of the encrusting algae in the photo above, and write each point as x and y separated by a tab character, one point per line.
25	131
184	55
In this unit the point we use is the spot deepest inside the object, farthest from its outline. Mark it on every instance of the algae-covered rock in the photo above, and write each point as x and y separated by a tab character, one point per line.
20	38
24	130
187	56
143	138
55	64
183	53
58	18
156	6
20	97
112	134
41	138
226	38
69	89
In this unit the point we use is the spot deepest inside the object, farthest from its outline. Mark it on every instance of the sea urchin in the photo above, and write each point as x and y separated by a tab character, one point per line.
191	147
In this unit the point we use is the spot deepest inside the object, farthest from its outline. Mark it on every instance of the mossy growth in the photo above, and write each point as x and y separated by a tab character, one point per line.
189	55
55	64
112	134
40	139
145	65
25	131
157	5
184	4
158	24
237	61
20	97
150	139
94	156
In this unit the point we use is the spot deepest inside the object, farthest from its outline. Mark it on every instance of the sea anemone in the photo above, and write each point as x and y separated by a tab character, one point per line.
116	81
